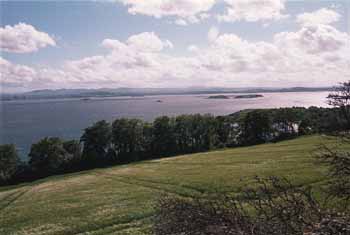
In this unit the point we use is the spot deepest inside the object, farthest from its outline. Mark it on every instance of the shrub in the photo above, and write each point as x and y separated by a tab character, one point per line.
273	206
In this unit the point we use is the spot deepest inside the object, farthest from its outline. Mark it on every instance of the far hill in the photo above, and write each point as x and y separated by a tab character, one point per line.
119	200
115	92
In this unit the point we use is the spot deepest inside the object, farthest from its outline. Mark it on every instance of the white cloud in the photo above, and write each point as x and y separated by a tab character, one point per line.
189	11
213	33
321	16
16	76
143	42
313	55
253	10
313	39
23	38
148	41
12	75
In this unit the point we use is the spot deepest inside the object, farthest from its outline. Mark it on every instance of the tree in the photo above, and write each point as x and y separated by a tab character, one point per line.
96	142
204	132
256	128
127	138
227	131
147	142
285	121
183	134
163	141
340	98
9	162
73	147
338	160
48	156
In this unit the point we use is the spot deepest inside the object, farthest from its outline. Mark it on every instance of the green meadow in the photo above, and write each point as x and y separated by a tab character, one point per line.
120	199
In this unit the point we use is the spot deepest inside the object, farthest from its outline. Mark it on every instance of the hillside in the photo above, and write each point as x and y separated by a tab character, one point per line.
119	200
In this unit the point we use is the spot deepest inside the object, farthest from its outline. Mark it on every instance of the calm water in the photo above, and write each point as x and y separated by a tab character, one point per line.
25	122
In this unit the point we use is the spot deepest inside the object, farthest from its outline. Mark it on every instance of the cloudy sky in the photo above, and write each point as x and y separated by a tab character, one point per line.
173	43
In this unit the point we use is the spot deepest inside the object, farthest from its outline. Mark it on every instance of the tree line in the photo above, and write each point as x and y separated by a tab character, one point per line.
130	140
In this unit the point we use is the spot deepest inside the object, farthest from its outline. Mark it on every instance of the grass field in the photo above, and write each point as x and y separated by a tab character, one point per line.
119	200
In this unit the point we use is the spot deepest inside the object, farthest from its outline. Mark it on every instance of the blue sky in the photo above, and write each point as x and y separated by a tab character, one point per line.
78	29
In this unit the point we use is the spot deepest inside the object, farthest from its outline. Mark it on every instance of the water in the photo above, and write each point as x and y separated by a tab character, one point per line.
26	122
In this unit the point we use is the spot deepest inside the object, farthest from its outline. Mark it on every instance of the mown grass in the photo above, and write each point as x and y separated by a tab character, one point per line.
120	200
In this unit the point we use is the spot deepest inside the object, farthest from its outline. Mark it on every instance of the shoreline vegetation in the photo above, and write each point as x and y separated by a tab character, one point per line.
131	140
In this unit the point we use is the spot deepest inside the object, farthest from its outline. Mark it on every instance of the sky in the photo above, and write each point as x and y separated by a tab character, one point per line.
173	43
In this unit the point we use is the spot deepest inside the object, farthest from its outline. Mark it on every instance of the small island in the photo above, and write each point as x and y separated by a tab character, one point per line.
251	96
218	97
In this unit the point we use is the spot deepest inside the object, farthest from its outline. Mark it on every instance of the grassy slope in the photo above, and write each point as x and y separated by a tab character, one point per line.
118	200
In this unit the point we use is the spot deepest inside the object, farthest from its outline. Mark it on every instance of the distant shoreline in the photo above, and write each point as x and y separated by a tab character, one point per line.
140	93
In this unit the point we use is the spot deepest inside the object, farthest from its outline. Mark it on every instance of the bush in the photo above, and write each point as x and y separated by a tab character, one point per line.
273	207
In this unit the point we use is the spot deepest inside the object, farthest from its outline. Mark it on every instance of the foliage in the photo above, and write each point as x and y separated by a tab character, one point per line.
127	139
163	136
96	142
338	182
49	156
272	206
73	148
256	128
130	140
9	162
340	98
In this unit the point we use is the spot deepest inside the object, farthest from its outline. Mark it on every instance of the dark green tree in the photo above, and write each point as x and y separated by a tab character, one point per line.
147	141
183	134
256	128
9	162
286	121
96	143
73	147
163	141
227	130
205	132
127	138
48	156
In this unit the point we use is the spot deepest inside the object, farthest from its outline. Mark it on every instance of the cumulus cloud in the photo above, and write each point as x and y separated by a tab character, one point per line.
25	77
313	39
14	75
23	38
253	10
186	11
145	42
194	11
148	41
321	16
312	55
